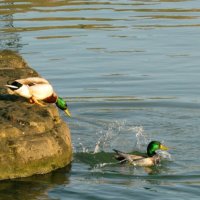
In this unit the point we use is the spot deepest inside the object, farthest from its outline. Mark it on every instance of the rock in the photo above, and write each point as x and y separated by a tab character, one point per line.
33	139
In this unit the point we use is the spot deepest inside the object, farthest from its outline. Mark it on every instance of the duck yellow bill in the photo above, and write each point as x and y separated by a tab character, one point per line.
163	147
67	112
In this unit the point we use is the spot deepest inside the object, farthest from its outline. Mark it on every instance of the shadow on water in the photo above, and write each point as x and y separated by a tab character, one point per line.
94	160
35	187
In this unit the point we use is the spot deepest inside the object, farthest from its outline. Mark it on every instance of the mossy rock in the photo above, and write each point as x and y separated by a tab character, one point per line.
33	139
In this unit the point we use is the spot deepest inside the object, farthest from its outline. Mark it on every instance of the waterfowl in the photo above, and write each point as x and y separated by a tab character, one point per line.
37	89
151	159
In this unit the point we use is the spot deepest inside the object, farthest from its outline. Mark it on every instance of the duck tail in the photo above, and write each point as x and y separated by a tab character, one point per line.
117	151
11	87
122	157
14	85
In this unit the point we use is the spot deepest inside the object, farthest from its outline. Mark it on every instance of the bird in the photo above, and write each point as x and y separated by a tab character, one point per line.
148	160
37	89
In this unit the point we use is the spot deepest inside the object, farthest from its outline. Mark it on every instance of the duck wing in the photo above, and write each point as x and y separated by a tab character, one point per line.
39	88
32	81
121	156
136	160
146	162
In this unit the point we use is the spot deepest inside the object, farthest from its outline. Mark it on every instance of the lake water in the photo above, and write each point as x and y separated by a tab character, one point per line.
130	71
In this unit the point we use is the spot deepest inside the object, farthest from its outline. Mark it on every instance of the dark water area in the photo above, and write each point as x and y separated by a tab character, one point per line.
130	73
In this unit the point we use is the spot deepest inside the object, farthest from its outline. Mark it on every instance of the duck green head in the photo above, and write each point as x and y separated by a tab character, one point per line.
153	146
61	103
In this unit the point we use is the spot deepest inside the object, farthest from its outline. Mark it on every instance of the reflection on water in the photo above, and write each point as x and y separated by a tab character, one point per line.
8	40
96	15
35	187
130	72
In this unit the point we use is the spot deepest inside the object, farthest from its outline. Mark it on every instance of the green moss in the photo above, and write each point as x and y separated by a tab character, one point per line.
42	166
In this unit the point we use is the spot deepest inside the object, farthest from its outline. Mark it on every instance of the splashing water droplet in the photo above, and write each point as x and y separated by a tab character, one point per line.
97	147
142	138
84	149
164	154
117	135
108	136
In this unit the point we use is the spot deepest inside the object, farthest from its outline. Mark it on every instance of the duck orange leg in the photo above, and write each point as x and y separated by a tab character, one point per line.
33	100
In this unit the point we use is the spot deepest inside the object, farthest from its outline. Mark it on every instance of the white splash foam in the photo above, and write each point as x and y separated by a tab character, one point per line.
164	154
84	149
121	135
142	139
107	137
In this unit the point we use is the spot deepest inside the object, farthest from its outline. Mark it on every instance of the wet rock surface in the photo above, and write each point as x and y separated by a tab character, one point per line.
33	139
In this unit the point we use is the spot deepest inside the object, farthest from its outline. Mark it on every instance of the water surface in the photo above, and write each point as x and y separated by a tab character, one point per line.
130	73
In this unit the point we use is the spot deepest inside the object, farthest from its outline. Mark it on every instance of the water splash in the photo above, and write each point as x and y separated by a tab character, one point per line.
102	165
116	135
84	149
164	155
109	136
121	135
142	139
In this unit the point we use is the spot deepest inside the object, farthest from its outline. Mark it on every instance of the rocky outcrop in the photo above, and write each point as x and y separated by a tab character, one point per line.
33	139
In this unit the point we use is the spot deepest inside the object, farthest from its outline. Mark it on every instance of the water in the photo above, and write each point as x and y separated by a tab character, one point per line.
130	73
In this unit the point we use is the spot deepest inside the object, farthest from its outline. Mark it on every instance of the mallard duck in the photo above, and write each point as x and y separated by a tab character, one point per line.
37	89
151	159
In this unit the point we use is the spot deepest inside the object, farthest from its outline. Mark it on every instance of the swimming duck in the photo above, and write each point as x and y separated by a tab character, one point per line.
37	89
151	159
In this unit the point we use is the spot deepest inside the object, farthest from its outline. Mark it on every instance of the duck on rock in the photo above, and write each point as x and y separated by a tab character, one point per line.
37	89
151	159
